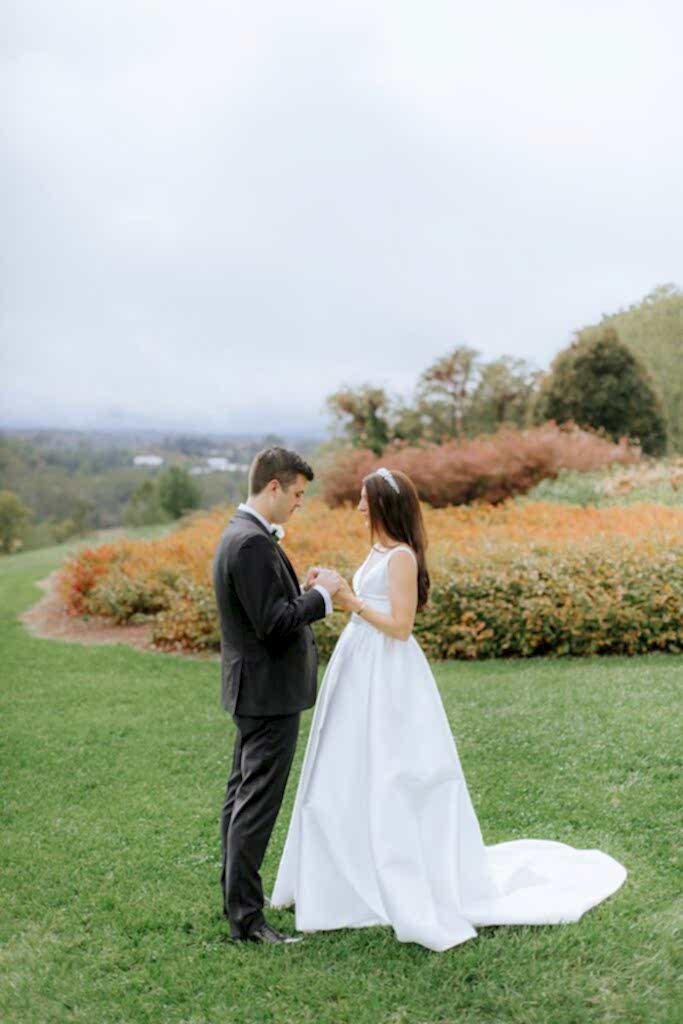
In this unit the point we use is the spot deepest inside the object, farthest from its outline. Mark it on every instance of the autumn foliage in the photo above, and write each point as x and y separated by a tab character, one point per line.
508	580
489	468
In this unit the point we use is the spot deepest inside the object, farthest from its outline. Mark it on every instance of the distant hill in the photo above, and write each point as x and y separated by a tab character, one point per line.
133	440
653	328
76	481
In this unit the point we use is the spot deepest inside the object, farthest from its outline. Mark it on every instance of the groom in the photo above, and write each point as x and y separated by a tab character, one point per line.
269	664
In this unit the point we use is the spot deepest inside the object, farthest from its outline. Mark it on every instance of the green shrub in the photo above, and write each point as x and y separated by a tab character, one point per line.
190	622
595	599
123	598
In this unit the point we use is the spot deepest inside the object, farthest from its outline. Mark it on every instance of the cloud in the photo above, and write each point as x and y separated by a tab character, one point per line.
219	212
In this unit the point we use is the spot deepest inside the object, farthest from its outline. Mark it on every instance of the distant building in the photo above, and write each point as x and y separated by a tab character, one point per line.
219	464
148	460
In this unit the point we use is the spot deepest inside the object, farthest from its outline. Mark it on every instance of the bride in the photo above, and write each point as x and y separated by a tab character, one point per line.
383	831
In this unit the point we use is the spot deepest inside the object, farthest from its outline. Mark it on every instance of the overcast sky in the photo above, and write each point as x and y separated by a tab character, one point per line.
217	213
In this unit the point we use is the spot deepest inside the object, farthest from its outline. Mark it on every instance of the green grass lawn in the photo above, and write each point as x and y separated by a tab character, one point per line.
114	766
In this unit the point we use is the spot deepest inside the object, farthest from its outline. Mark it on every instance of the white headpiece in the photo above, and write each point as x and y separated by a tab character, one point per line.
387	475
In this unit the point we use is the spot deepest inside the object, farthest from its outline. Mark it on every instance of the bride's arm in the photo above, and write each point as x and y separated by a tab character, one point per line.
402	575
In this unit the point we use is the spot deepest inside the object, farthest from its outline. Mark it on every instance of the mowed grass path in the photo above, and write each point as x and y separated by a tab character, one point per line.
114	765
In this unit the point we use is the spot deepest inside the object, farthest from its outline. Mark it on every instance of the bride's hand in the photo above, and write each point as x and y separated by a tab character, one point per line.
344	597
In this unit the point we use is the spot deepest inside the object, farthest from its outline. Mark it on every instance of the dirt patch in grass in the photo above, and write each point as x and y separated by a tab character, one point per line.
49	619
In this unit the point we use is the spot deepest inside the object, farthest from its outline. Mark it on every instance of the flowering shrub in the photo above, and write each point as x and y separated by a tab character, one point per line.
488	468
137	578
80	578
508	580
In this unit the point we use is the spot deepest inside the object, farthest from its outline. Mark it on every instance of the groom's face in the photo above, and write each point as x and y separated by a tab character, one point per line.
288	500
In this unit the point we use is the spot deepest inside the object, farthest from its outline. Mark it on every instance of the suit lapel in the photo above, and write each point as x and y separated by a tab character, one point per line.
283	557
289	567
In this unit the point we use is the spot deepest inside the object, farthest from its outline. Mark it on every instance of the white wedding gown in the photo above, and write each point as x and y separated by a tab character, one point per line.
383	831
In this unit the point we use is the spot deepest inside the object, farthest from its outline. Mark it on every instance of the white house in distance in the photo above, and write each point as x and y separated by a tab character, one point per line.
219	464
148	460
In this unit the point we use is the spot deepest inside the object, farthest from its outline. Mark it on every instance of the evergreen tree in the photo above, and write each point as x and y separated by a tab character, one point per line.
598	382
178	493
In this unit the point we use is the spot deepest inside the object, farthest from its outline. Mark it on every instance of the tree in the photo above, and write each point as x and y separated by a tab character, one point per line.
413	423
503	394
13	516
144	507
598	382
363	415
178	492
82	508
444	389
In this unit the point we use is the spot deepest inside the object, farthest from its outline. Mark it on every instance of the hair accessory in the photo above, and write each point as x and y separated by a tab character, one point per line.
387	475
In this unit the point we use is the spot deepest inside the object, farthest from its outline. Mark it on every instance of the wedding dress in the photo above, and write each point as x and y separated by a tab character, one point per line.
383	831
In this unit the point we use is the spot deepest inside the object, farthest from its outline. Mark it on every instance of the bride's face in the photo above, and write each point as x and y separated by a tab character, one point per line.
363	506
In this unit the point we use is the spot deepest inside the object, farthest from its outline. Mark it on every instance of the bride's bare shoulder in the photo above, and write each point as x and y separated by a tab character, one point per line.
403	555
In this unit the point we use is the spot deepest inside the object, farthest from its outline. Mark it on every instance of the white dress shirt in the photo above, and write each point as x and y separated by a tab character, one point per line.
270	527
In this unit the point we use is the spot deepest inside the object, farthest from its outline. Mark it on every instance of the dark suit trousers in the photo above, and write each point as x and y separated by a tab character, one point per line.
262	758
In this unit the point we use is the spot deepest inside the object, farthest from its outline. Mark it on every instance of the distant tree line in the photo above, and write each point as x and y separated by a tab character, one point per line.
54	488
630	389
458	395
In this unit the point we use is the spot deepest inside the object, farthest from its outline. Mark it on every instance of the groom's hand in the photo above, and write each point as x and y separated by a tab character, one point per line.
311	578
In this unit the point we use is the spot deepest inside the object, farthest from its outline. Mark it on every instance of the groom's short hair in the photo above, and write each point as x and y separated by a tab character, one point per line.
277	463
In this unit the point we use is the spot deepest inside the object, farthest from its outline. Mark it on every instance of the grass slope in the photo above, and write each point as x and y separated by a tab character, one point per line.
114	764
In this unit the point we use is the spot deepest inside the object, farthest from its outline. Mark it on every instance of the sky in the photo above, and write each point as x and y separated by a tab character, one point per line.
215	214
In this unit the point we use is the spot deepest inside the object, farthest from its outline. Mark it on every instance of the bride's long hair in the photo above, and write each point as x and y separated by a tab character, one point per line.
399	516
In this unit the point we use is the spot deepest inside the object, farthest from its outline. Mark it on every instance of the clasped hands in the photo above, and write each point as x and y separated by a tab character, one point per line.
337	587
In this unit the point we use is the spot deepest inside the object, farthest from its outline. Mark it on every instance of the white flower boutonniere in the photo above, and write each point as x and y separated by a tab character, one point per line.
277	532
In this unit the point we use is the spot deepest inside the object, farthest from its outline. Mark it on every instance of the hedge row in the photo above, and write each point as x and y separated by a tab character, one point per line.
514	580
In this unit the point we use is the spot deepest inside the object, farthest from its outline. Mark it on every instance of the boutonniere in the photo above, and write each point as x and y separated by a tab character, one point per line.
277	532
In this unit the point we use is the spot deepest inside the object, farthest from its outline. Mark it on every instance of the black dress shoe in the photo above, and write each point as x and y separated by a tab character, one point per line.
269	936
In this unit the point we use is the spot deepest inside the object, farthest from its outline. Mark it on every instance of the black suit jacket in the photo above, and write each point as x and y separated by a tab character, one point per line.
269	659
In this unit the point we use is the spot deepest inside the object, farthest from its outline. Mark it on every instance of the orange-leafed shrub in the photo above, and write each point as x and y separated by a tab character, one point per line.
82	574
507	580
133	578
489	468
